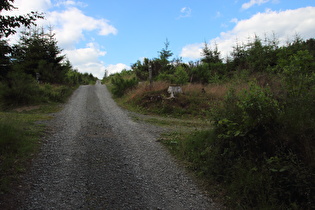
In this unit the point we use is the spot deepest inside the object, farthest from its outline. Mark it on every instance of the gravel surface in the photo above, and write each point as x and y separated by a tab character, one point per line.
96	157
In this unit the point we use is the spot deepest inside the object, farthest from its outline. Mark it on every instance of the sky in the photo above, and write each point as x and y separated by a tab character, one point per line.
99	35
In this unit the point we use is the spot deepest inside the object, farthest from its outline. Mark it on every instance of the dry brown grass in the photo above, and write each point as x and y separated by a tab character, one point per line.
145	87
213	90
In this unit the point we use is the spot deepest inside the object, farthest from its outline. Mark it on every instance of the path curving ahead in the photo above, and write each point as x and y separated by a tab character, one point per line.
98	158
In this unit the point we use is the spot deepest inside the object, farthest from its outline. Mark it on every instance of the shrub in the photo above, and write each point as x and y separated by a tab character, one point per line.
121	85
55	93
21	89
260	150
180	76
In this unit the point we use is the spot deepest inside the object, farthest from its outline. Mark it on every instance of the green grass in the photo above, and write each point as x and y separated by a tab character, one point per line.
20	134
190	124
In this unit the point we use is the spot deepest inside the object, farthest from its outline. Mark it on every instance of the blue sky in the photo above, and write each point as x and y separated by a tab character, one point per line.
113	34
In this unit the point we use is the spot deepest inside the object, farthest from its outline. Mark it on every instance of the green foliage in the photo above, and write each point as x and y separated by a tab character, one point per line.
166	77
262	148
21	89
259	150
54	93
210	56
19	135
164	56
201	73
121	85
9	23
160	66
180	76
5	63
38	53
141	69
27	74
298	72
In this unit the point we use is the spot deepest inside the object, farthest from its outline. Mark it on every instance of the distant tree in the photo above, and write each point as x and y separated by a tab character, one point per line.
210	56
239	55
141	69
38	53
163	60
180	76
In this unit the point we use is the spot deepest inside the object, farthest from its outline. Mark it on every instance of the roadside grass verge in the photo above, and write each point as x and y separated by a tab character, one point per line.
256	152
18	143
20	133
34	94
21	125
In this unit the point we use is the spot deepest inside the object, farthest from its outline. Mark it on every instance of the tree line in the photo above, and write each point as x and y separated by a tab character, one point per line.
253	57
35	66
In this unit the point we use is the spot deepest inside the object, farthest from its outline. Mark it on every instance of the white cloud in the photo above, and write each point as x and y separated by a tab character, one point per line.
70	24
87	59
192	51
234	20
284	24
112	69
84	55
71	3
253	2
25	6
185	12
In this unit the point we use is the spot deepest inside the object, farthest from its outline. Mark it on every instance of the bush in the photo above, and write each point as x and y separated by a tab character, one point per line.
121	85
180	76
22	89
248	119
260	149
55	93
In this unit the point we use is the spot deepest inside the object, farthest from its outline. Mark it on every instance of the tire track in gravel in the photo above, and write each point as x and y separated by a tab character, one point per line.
98	158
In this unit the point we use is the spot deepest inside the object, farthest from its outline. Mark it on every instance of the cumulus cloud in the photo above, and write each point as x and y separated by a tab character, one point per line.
87	59
115	68
71	23
253	2
84	55
25	6
284	24
192	51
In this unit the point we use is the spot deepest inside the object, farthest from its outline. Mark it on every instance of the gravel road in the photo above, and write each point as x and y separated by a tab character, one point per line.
96	157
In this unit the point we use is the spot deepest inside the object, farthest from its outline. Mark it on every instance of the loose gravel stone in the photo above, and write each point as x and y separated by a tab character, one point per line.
98	158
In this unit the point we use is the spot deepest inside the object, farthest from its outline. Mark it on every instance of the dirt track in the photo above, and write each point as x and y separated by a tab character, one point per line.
98	158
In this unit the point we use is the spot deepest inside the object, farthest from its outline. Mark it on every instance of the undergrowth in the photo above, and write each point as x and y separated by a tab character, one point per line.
261	150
